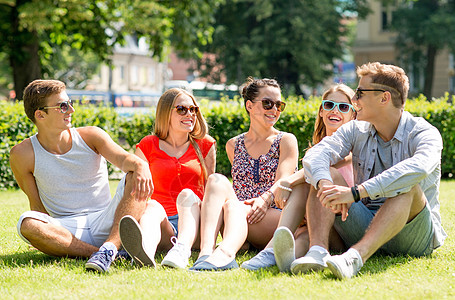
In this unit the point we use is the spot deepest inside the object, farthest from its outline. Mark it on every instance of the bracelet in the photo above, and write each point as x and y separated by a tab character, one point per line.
285	188
355	193
271	197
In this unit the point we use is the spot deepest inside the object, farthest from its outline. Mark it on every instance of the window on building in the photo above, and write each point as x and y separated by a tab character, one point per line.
151	75
134	75
122	74
386	16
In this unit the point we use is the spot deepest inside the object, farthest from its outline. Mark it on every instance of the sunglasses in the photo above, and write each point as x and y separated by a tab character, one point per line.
183	110
329	105
268	104
63	106
359	91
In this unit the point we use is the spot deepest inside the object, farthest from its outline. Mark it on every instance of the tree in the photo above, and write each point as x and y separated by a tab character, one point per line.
35	32
424	28
294	41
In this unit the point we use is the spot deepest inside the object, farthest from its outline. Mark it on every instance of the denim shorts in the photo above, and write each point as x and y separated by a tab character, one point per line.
415	239
92	228
174	220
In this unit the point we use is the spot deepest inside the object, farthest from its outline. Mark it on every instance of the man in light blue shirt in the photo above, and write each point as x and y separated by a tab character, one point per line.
397	168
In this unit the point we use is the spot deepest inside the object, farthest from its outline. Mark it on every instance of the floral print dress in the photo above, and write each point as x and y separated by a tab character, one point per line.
252	177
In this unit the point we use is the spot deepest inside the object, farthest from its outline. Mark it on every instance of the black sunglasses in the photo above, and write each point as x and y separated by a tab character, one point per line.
329	105
63	106
268	104
183	110
359	91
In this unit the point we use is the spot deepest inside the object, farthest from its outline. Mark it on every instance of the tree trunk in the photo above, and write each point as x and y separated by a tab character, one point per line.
24	58
429	72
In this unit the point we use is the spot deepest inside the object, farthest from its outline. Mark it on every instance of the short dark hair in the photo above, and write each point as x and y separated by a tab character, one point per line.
251	88
36	93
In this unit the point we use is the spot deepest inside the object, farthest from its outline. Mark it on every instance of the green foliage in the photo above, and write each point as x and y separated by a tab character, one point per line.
226	119
293	41
423	27
36	35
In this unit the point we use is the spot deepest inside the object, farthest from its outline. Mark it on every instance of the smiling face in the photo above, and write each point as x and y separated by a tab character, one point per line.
257	111
334	118
55	118
186	122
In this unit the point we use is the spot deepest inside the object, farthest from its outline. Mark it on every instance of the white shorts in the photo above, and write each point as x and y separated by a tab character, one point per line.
93	228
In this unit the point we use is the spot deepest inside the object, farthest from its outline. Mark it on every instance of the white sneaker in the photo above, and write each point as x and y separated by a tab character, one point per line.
312	261
346	265
284	248
178	256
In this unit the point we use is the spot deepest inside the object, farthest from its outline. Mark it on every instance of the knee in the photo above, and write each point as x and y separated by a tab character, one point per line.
187	198
29	227
155	208
217	179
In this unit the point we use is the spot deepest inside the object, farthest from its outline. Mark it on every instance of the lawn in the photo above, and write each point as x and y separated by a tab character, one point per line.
27	274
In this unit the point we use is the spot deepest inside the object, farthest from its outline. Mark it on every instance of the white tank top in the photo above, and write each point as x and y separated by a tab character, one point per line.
74	183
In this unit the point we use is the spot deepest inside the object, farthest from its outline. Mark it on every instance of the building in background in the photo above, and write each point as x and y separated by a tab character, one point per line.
375	43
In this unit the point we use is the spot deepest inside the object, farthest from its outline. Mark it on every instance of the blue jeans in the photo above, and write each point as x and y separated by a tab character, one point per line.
174	220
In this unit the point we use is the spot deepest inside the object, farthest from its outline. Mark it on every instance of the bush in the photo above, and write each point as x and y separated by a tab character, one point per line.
226	119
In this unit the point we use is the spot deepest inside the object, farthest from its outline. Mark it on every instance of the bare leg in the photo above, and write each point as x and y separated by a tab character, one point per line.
234	235
127	206
217	191
390	220
259	234
156	229
54	240
294	210
188	207
321	219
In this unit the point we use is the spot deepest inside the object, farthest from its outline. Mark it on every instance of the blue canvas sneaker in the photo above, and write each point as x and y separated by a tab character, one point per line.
100	261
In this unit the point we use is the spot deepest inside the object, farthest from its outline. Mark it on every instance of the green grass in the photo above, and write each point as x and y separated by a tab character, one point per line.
27	274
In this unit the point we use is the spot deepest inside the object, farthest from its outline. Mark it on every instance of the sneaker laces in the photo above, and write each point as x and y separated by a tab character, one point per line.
105	256
178	247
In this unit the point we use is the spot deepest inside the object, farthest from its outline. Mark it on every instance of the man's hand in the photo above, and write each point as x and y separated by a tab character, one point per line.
142	181
335	197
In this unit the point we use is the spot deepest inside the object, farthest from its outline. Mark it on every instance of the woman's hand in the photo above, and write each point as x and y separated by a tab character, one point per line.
282	195
258	209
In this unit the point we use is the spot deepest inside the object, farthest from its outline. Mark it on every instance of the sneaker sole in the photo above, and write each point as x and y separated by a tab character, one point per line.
94	267
333	267
306	268
131	238
171	264
284	248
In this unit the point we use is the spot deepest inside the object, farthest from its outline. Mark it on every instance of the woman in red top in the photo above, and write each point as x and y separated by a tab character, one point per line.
181	155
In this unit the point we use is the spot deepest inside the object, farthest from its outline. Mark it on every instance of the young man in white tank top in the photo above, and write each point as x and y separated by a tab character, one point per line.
63	172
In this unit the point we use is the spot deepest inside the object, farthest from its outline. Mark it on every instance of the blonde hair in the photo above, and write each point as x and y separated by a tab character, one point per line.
162	122
319	126
389	77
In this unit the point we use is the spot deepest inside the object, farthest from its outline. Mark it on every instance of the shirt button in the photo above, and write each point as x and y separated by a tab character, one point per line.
373	150
369	169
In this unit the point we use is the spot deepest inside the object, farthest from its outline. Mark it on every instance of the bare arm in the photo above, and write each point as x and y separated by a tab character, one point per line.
101	142
210	160
22	162
230	145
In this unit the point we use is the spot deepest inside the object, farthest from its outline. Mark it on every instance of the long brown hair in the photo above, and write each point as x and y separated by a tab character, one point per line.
163	115
319	126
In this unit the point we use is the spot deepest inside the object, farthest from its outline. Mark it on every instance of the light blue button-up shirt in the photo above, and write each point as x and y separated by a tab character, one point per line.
416	159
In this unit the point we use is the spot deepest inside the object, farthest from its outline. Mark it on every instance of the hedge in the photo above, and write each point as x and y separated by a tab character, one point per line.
226	118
